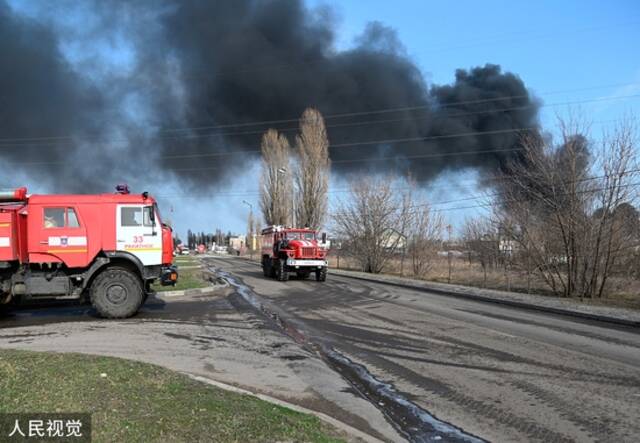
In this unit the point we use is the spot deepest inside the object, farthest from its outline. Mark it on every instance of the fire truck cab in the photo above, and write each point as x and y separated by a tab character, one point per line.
286	250
108	248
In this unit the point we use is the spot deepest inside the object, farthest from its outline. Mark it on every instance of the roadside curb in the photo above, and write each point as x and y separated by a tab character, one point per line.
483	298
324	417
217	284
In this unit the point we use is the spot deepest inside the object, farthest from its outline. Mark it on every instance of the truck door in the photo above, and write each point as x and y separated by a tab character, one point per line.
57	234
138	233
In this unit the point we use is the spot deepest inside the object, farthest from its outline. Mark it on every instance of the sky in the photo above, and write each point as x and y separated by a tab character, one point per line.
568	53
575	56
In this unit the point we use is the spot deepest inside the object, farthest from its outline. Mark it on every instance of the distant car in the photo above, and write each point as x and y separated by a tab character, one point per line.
185	252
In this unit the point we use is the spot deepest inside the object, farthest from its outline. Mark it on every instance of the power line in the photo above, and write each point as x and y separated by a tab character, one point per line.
422	107
12	140
379	111
476	197
392	141
344	145
485	205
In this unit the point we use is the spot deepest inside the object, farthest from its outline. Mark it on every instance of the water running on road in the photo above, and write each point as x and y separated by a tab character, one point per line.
416	424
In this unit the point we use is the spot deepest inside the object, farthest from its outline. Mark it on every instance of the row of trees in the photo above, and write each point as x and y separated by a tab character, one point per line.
294	182
567	211
563	212
200	238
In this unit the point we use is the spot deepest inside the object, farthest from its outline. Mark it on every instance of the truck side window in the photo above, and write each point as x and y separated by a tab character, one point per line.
147	215
72	219
60	218
131	216
54	217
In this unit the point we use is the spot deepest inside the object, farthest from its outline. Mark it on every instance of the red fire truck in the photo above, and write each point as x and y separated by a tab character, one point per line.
286	250
108	248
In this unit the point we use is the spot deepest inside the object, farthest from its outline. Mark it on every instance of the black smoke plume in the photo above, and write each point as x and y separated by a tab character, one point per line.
209	77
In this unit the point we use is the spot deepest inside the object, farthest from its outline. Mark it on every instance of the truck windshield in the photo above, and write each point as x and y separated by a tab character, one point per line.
301	236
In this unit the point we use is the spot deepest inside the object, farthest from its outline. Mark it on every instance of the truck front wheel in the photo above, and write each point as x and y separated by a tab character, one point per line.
116	293
281	271
321	274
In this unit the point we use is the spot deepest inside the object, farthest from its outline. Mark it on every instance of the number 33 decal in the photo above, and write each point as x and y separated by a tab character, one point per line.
138	238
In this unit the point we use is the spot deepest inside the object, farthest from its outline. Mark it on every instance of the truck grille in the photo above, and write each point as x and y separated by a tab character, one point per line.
308	252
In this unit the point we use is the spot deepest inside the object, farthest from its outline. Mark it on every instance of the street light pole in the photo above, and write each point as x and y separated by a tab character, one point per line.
250	228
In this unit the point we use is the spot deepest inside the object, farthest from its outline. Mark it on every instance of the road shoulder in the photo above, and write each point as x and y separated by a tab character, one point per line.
556	305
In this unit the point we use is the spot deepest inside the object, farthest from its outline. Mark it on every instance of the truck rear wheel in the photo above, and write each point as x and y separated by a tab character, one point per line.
281	271
321	274
116	293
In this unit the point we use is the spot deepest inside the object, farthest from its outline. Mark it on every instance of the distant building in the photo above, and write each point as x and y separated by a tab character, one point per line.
238	242
395	240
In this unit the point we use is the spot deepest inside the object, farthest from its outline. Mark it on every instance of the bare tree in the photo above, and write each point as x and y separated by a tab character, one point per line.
481	240
369	222
275	183
424	237
563	207
312	174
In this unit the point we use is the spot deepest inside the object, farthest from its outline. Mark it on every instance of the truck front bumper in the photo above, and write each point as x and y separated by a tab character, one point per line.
169	276
301	263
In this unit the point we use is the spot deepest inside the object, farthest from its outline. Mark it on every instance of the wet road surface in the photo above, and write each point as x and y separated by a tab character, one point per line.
500	373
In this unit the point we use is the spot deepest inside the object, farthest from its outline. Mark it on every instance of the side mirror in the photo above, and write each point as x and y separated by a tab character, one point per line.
324	237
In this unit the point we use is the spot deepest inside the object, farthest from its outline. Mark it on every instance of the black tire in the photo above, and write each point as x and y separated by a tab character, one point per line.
281	271
272	268
321	274
266	269
116	293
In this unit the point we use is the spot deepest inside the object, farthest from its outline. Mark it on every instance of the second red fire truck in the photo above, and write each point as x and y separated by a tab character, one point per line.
109	248
287	250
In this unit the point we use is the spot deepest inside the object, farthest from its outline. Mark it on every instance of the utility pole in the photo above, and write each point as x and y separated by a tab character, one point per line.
449	229
250	230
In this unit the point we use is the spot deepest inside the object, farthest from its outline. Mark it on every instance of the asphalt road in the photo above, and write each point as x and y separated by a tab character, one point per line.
503	374
217	337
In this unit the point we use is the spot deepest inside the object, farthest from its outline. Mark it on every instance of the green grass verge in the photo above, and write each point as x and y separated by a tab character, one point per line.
143	402
187	279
